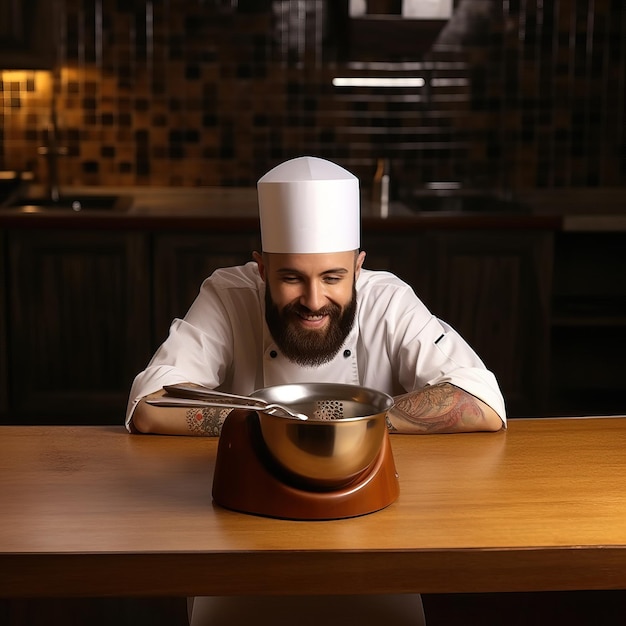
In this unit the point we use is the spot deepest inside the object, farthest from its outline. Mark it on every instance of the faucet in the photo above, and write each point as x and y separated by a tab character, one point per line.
380	187
52	151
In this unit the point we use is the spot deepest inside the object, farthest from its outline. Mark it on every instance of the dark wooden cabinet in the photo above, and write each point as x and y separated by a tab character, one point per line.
28	34
3	329
494	288
183	260
588	332
85	310
491	286
78	321
408	256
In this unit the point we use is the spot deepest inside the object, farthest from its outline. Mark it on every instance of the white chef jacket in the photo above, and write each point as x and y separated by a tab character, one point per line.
396	345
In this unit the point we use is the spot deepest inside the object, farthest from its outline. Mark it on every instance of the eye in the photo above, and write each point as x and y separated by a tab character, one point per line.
290	279
332	280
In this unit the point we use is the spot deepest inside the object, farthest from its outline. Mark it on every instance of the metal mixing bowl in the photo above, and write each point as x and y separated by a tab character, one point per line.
342	437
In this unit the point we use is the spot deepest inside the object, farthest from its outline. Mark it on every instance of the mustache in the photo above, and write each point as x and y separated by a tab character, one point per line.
296	308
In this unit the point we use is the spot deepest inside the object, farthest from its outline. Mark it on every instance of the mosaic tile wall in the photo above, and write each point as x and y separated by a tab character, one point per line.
519	94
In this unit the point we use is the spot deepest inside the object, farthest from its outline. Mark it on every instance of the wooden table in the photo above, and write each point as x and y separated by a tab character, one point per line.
93	511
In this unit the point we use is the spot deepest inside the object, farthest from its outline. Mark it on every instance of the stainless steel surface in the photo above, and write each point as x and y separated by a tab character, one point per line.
232	400
321	451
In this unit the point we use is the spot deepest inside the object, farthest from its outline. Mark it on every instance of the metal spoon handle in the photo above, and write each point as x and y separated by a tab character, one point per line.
181	390
272	409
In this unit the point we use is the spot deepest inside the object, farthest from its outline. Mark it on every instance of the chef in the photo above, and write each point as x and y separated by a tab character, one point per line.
305	309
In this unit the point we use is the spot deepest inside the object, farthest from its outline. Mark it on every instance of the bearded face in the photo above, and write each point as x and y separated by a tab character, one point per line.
309	347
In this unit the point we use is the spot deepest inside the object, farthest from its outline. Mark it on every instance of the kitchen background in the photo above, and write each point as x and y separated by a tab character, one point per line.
184	104
519	94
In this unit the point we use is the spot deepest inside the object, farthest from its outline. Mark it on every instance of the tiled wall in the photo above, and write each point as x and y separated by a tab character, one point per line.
521	94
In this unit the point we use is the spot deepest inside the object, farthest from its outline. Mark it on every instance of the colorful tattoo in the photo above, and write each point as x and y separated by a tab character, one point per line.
206	422
439	408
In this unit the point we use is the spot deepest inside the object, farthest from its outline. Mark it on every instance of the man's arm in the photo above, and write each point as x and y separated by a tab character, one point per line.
160	420
442	408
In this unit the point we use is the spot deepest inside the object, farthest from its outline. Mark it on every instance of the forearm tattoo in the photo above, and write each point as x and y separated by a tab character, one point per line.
206	422
439	408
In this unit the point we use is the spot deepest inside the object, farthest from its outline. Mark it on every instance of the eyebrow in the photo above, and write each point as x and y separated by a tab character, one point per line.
291	270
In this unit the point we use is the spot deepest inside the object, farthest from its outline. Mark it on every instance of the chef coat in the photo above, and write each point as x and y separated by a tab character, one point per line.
396	344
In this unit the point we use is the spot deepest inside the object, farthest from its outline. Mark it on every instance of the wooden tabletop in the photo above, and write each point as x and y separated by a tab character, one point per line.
93	511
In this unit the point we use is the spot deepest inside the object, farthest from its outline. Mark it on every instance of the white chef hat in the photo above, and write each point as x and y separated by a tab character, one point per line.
309	205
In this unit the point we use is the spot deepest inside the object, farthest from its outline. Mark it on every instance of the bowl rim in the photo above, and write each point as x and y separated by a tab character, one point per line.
322	390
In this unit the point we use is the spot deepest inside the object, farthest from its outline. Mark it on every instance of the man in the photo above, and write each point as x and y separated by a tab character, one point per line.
306	310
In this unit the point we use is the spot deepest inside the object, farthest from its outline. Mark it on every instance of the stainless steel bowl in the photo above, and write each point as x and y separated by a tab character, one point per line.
341	438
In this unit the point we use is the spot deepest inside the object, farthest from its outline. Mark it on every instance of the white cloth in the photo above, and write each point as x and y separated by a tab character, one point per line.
395	346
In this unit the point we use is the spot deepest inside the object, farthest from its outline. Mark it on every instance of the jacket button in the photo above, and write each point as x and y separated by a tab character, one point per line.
273	354
346	354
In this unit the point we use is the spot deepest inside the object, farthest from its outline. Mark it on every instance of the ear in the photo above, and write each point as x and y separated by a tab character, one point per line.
259	261
359	264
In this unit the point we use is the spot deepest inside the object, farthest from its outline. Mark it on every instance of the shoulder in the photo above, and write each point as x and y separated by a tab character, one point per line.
235	288
232	292
379	282
384	293
236	277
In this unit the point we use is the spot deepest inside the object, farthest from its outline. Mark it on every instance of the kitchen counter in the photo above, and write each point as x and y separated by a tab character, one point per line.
581	210
233	208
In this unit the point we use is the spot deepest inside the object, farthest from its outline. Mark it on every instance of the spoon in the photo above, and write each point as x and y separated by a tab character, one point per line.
187	395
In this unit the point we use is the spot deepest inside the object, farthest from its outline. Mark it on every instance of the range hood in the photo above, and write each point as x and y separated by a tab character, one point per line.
413	9
394	30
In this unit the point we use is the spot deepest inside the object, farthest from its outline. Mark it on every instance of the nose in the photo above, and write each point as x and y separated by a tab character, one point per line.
313	296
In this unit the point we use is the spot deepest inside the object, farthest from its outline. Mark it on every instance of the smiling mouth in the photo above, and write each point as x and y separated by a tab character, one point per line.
313	322
311	318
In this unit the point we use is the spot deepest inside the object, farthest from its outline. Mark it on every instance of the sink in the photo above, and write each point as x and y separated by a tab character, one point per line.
72	202
462	201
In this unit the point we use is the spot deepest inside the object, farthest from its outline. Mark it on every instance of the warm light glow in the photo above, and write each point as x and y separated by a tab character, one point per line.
21	76
41	83
367	81
15	76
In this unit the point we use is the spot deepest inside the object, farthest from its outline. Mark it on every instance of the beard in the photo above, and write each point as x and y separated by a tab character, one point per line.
309	348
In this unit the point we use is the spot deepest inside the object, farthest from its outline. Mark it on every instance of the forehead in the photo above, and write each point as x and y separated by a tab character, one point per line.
316	263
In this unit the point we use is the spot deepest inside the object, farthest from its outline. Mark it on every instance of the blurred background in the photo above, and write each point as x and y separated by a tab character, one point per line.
517	93
499	122
524	99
